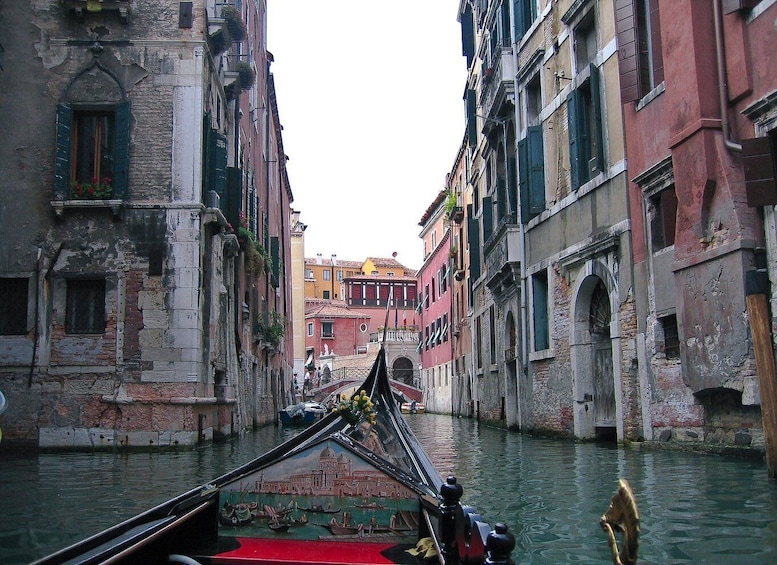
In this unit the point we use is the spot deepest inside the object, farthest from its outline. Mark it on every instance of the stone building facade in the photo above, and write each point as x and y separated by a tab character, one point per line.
129	314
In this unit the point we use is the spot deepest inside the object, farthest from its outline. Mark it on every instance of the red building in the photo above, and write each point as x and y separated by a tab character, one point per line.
697	80
333	328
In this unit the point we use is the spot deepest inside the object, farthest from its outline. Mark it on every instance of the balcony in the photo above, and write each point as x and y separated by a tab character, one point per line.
497	81
503	257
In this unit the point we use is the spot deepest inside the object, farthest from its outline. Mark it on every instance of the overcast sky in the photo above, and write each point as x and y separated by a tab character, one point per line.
370	96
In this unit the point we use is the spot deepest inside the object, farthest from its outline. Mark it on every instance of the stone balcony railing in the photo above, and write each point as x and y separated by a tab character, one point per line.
497	81
395	335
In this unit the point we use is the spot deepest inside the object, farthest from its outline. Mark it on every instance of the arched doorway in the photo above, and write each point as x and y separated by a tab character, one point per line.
402	370
512	412
592	348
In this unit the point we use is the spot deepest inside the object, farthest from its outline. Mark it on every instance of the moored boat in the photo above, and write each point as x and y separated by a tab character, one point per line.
301	414
363	461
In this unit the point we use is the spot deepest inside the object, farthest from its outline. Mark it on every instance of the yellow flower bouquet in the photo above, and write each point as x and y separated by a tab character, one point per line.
351	410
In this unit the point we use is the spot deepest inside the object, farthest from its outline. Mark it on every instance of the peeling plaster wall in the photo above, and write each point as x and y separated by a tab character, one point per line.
148	379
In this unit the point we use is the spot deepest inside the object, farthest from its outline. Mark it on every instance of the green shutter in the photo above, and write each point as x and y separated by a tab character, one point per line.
501	203
275	254
575	145
121	152
220	164
62	154
488	218
472	122
536	171
523	179
233	200
512	187
596	114
506	39
473	237
467	36
540	295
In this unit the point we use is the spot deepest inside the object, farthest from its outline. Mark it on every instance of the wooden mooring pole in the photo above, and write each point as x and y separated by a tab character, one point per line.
760	327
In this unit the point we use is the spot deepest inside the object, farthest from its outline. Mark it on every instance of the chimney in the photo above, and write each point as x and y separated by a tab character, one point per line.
319	261
334	260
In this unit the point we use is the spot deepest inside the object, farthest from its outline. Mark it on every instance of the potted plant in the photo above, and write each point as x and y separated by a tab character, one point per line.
272	326
246	73
235	25
96	189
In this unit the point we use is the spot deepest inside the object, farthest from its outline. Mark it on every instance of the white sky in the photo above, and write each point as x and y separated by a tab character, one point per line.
370	96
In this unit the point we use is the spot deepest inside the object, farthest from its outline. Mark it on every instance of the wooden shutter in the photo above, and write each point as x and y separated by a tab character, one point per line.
521	25
758	163
467	35
473	237
488	218
275	254
232	204
655	44
573	109
597	129
62	153
121	151
506	23
472	122
628	62
512	186
536	171
523	179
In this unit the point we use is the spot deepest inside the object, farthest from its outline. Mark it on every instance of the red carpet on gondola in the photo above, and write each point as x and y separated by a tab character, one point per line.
295	552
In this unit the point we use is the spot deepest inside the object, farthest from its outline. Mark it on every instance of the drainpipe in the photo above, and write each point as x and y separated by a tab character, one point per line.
722	86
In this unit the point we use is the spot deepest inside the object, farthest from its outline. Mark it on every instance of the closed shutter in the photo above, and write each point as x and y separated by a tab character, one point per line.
488	218
523	179
536	171
540	295
275	254
758	162
597	129
232	204
628	62
473	236
467	36
121	151
62	154
575	145
472	122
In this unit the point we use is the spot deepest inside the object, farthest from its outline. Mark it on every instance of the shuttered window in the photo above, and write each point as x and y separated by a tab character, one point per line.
531	174
85	306
760	166
92	152
473	233
13	306
640	53
586	140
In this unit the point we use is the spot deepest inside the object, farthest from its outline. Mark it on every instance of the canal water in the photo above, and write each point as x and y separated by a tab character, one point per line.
551	493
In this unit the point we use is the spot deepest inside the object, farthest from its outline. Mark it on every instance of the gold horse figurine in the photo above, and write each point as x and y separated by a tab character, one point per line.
622	516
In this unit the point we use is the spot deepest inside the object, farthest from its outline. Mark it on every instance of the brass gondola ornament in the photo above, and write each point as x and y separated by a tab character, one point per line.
622	516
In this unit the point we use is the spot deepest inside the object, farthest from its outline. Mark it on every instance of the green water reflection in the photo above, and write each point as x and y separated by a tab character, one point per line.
694	508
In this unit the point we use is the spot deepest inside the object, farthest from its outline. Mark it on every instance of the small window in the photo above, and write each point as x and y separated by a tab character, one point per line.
309	273
327	275
327	295
85	306
327	329
663	218
13	306
671	336
533	101
363	328
339	276
540	311
585	41
310	329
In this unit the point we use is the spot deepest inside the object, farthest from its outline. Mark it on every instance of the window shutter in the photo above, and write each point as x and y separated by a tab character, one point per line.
488	218
275	254
473	233
220	164
596	127
506	23
62	155
472	123
758	163
467	36
628	62
573	109
523	179
521	25
121	151
536	171
655	43
501	203
512	187
234	196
